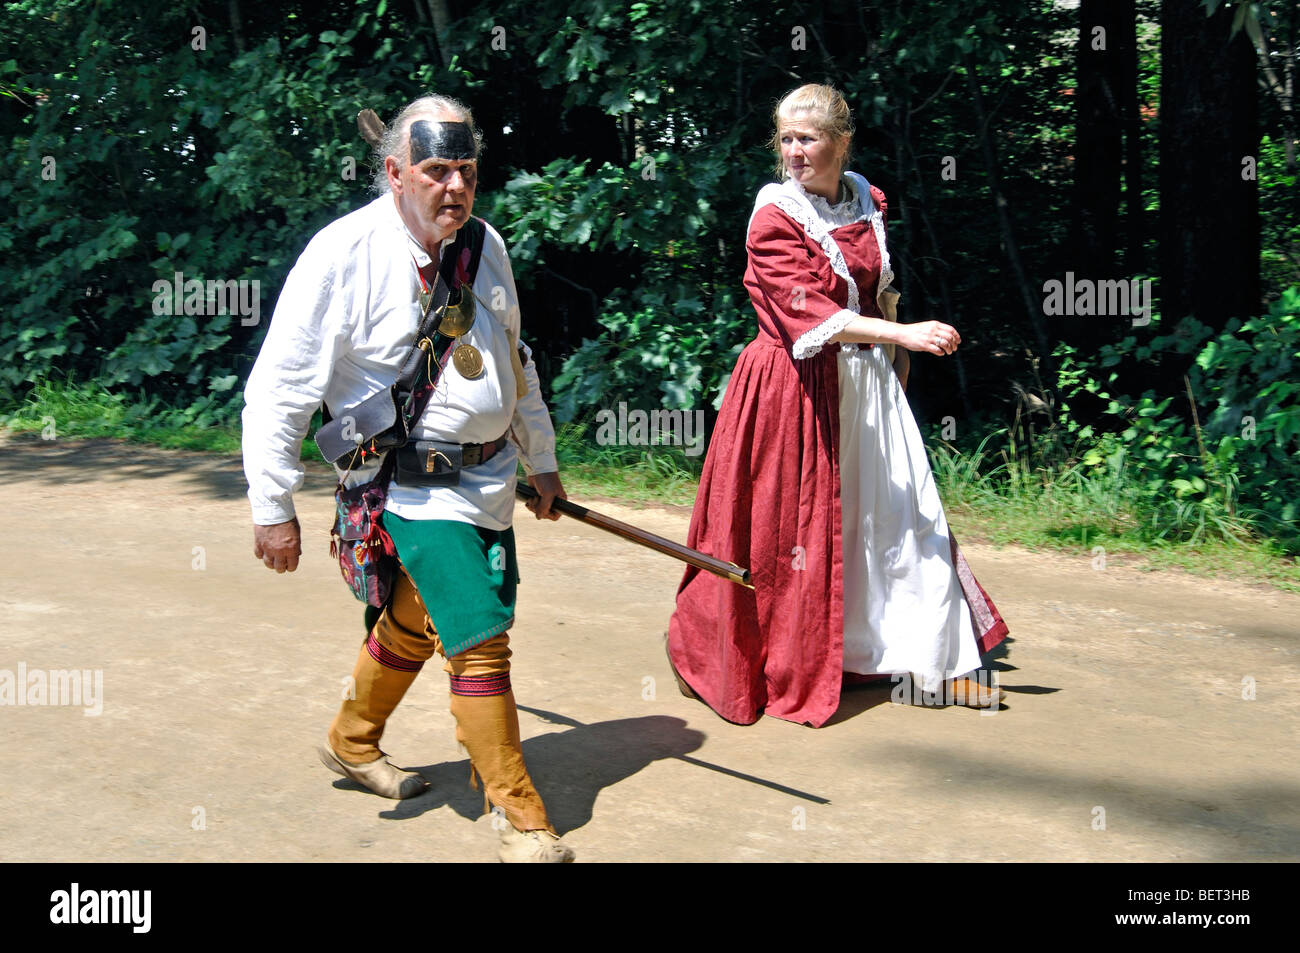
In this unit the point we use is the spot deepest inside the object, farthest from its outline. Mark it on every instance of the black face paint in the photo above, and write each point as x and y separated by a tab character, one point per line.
441	140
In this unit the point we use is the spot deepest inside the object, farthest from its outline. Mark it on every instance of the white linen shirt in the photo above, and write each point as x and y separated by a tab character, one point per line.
345	322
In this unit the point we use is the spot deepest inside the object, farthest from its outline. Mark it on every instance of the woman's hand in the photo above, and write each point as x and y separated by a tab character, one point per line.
932	336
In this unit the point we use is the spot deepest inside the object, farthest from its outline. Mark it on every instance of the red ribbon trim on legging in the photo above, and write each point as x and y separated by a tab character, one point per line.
481	685
390	659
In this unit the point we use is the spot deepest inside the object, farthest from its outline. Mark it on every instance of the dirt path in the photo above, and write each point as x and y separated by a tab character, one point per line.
1125	696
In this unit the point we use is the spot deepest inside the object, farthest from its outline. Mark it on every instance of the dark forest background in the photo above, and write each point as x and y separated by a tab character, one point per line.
1016	141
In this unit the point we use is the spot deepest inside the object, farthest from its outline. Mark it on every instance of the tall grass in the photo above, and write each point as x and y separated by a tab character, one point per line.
658	474
1007	493
64	408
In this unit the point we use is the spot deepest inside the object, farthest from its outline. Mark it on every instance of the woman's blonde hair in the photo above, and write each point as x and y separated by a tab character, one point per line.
829	112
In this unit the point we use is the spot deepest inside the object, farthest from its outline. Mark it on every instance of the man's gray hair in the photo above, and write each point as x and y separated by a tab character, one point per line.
396	141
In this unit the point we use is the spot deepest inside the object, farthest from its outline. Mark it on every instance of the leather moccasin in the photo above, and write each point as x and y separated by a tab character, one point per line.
532	847
379	776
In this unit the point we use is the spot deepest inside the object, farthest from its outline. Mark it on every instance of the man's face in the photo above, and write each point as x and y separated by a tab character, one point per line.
434	183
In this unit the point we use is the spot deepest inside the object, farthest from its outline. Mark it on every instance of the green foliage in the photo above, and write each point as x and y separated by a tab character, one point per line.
1221	459
626	141
656	344
141	156
1279	207
660	341
1248	379
659	474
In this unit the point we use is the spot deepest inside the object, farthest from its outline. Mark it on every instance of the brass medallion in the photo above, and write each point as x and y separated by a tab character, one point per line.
458	316
467	360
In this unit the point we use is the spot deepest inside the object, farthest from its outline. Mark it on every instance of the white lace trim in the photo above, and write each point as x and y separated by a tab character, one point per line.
814	339
886	272
805	215
840	214
859	200
816	216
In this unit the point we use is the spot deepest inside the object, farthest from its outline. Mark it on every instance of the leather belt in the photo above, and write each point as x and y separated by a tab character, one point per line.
475	453
434	463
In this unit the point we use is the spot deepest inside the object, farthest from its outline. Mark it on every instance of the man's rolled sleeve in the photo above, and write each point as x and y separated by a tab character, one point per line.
531	427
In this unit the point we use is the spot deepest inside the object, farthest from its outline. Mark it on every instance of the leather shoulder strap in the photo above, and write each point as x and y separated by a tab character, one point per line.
460	260
469	251
476	245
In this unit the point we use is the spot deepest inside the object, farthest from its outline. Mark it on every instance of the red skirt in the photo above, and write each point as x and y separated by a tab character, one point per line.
769	500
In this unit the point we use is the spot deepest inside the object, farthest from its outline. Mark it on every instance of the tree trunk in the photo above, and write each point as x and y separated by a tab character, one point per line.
441	27
1130	113
1033	304
1098	163
236	25
1209	138
941	277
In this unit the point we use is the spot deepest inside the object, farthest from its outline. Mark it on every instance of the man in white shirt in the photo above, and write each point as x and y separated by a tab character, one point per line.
345	322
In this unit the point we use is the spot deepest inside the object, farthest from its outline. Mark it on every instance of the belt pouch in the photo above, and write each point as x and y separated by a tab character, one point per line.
375	420
429	463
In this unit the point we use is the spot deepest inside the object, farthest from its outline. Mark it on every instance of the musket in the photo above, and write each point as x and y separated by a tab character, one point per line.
693	557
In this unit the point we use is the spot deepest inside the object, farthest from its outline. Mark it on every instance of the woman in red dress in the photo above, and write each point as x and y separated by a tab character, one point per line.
816	477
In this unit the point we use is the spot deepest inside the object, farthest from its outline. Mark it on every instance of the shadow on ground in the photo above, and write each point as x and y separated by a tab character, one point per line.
570	768
72	461
856	699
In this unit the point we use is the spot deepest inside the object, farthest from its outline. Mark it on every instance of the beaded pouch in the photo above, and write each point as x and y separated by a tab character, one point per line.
366	554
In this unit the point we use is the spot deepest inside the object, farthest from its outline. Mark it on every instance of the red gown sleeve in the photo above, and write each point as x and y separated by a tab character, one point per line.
878	197
790	282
